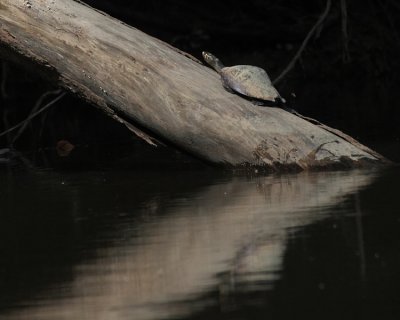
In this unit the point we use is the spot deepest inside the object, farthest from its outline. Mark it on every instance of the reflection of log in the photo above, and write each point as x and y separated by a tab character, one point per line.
153	270
162	91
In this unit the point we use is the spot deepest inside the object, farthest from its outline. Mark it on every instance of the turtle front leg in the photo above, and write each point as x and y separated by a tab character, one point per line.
227	88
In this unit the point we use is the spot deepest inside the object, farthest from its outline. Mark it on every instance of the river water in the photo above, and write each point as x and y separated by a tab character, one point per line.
123	244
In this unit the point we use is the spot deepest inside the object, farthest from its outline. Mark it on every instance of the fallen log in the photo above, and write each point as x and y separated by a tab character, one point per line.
159	91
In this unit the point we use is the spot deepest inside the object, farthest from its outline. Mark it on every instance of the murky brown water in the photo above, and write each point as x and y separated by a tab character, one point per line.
196	245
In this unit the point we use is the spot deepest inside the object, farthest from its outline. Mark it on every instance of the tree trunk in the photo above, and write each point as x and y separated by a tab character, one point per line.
147	84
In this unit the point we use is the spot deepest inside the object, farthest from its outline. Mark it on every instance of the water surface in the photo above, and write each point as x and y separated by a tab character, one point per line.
199	245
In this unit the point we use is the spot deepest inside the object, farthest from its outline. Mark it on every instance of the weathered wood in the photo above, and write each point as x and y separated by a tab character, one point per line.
141	80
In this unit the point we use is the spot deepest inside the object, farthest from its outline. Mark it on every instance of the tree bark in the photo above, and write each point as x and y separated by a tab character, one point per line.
156	89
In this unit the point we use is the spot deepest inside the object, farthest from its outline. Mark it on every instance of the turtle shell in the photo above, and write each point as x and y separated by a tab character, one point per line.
250	81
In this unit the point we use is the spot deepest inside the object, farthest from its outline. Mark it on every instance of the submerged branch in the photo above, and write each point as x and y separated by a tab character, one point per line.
33	114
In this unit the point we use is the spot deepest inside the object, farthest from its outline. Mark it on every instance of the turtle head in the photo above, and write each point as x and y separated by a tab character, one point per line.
208	57
212	60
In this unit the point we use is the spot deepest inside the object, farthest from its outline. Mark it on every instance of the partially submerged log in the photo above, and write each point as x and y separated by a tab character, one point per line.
156	89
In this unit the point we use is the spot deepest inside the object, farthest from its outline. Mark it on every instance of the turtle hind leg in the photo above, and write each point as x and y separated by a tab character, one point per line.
288	105
263	103
258	102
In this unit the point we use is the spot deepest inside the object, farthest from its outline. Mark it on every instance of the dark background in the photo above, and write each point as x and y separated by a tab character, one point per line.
347	76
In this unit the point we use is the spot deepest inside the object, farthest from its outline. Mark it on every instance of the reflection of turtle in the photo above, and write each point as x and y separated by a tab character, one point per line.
249	81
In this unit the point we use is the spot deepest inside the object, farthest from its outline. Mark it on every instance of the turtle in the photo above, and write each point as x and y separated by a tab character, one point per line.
248	81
